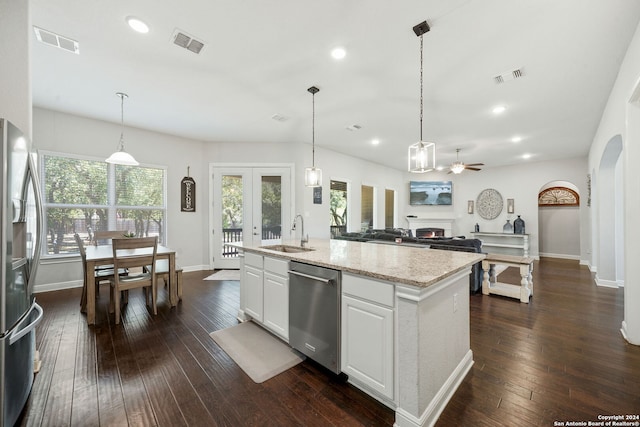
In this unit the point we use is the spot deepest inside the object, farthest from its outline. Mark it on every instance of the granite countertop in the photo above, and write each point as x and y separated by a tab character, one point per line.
419	267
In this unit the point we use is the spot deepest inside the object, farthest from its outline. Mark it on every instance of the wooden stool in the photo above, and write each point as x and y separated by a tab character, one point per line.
491	286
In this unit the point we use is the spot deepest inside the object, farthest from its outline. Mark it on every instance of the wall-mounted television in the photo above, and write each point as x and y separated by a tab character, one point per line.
430	192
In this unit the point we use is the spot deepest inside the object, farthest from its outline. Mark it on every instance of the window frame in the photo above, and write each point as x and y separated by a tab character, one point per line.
111	197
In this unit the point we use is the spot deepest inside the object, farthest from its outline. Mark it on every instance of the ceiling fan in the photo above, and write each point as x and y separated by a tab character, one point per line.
457	166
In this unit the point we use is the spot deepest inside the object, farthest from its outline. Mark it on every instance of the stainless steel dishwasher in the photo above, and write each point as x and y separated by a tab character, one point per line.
314	313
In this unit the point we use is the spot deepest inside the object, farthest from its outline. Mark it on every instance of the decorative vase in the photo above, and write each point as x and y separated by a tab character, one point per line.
477	228
518	226
508	227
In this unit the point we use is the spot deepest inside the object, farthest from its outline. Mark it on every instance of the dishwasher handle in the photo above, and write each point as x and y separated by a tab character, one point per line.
308	276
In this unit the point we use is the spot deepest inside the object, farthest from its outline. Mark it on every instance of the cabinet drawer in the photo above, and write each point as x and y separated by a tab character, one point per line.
253	260
276	266
368	289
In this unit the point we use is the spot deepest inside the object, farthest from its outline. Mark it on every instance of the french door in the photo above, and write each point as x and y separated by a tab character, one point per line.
251	205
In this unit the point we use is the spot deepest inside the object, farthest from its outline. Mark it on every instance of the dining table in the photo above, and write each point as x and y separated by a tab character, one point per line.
103	255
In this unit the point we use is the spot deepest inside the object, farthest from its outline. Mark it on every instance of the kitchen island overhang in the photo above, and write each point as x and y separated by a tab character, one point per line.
429	311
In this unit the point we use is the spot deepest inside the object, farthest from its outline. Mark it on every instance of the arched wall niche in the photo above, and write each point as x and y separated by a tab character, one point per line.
559	225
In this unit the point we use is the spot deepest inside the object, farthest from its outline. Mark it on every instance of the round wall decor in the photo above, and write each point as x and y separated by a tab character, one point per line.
489	203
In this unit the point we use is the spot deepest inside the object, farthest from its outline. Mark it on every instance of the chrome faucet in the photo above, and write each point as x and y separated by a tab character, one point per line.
303	239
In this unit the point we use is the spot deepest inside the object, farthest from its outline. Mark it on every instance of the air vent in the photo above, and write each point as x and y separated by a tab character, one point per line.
279	118
509	75
182	39
354	128
53	39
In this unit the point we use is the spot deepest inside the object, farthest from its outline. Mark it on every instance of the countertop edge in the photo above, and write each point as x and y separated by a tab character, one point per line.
299	257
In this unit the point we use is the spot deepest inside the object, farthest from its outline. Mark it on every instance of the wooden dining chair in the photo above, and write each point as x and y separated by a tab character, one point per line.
134	253
100	274
106	236
162	271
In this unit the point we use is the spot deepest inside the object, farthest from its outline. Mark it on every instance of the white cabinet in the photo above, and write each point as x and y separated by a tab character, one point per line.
265	287
252	278
367	343
276	296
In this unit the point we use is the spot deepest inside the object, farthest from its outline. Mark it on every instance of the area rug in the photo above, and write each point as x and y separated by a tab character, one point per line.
256	351
224	275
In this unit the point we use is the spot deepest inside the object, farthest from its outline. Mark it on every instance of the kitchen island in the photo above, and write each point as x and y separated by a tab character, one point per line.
404	316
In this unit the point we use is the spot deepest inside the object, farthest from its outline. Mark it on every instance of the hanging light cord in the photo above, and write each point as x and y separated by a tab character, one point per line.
421	97
313	130
122	97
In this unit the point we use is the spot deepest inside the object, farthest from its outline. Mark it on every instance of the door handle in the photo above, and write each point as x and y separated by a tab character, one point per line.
17	334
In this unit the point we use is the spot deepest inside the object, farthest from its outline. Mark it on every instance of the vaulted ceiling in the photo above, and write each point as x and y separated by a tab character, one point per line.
260	56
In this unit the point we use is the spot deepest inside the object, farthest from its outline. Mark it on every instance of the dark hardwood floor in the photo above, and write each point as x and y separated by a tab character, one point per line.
559	358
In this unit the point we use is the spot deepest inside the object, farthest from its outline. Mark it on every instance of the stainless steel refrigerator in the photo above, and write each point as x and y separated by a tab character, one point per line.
20	227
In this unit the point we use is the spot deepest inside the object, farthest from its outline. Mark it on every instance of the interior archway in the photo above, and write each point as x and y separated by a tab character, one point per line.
610	224
559	226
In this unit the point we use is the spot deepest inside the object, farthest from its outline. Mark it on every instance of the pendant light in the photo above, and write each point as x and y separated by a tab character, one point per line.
422	154
121	157
313	175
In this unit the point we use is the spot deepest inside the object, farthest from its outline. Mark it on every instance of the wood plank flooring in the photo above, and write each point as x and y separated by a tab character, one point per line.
559	358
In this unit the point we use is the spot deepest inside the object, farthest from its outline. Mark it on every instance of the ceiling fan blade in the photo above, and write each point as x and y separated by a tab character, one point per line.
472	169
474	164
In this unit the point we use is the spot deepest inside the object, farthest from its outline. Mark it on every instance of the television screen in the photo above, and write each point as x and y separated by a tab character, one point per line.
430	192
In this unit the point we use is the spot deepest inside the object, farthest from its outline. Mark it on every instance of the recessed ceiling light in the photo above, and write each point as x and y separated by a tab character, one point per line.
516	139
137	24
338	53
375	141
499	109
526	156
439	168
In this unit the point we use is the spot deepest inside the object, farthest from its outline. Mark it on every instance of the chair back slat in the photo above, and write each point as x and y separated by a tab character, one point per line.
135	252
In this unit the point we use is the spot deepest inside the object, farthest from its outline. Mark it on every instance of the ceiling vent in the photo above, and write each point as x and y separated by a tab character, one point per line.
353	128
53	39
509	75
182	39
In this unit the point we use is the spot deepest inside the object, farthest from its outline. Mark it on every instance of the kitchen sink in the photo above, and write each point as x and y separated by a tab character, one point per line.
287	248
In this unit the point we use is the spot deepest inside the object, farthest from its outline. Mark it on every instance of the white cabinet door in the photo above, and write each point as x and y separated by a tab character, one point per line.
252	282
367	344
276	304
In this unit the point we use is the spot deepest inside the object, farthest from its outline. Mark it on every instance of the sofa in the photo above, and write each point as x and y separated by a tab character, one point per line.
458	243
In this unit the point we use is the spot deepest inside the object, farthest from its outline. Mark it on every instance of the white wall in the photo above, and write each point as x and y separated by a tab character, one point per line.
357	172
521	183
60	132
15	70
559	231
621	117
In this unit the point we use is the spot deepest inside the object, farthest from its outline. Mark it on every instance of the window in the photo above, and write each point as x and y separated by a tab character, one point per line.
366	208
389	208
338	208
83	195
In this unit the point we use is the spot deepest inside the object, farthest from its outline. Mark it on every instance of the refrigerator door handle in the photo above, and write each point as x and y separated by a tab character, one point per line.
19	333
39	218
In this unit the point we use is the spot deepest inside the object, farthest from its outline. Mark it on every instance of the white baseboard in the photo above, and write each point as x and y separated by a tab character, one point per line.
58	286
561	256
606	283
48	287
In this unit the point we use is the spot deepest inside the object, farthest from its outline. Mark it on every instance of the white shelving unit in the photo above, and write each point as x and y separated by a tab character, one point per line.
504	243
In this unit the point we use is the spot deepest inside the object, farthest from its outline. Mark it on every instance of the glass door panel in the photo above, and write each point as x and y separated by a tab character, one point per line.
254	208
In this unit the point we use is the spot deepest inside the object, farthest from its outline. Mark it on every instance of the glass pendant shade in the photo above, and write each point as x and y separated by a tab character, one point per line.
422	157
457	167
121	157
313	177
